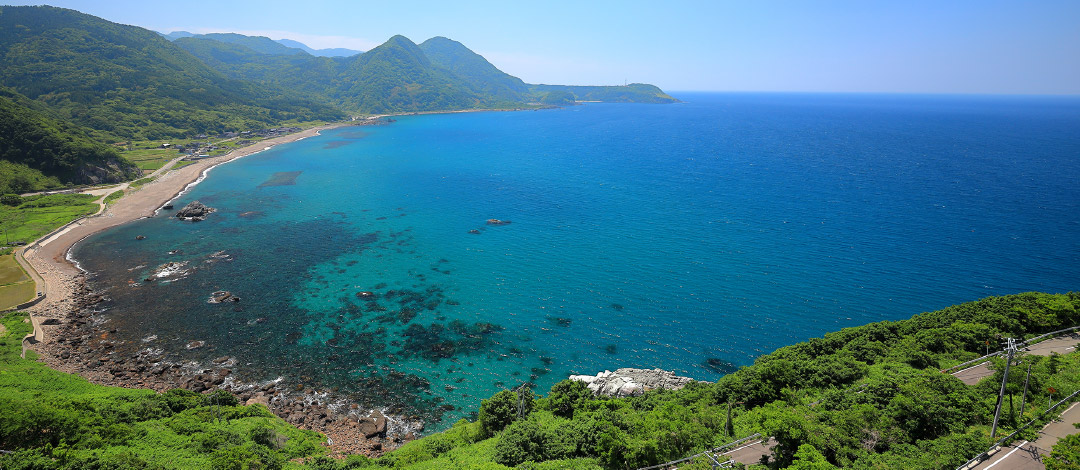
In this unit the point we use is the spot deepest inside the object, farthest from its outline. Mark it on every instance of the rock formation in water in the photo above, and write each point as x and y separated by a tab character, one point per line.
195	211
631	382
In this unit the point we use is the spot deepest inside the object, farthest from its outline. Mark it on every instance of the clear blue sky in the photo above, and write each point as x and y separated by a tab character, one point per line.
938	46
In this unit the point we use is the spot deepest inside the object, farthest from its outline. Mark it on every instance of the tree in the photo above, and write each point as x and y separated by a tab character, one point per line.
808	458
566	396
1065	455
502	409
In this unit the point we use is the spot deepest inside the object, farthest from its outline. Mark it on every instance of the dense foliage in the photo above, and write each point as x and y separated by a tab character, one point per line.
1066	454
39	152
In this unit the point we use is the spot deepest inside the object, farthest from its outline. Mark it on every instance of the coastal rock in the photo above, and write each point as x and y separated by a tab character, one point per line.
368	428
169	271
631	382
497	222
380	421
194	211
222	296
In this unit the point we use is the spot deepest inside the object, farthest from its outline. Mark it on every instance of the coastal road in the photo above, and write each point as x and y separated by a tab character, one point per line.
1062	345
1029	455
752	452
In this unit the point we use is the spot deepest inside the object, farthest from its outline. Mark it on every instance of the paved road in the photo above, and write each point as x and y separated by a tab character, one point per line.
751	452
1061	345
1028	455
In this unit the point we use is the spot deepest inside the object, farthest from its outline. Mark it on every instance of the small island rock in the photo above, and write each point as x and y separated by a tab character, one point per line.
194	211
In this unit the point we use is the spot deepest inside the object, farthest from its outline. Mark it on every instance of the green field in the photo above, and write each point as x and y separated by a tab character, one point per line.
39	215
150	155
15	286
15	294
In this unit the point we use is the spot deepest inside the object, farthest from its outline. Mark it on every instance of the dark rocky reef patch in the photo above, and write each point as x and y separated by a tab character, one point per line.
282	178
719	365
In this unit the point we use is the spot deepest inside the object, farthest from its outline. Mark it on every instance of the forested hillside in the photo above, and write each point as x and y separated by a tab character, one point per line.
127	82
398	76
39	152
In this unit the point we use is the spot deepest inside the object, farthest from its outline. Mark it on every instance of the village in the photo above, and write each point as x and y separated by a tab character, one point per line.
200	149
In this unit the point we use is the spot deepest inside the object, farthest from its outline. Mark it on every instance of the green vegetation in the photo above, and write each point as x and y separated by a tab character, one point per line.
15	286
398	76
39	152
49	419
35	216
15	294
478	74
127	82
863	397
113	196
25	219
1066	454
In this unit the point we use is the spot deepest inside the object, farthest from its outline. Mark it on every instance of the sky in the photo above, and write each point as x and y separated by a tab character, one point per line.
910	46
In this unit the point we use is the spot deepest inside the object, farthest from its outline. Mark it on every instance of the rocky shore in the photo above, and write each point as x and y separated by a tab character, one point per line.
629	382
80	344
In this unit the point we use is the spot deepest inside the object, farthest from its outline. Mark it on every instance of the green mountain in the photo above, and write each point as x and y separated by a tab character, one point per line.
40	152
632	93
130	83
479	75
398	77
298	73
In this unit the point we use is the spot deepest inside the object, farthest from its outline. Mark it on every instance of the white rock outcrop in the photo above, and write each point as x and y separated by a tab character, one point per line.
628	382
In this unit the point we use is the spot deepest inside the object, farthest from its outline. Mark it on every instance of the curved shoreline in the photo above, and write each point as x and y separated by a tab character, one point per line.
66	305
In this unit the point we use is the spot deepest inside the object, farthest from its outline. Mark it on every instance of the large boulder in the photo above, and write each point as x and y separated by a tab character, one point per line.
194	211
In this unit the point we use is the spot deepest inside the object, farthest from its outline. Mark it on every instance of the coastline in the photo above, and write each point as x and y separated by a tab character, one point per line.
67	338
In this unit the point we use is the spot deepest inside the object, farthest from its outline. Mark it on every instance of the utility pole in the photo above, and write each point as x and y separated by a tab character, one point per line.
1023	401
1010	348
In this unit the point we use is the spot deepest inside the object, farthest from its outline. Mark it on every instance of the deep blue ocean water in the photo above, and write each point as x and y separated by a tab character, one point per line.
685	236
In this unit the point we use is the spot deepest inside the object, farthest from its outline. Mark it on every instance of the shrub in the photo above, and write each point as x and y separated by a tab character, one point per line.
566	396
501	409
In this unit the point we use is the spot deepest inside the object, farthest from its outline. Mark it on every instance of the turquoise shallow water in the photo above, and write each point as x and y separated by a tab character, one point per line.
689	237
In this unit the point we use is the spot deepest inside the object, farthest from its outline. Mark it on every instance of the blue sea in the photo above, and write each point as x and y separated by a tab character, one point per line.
692	237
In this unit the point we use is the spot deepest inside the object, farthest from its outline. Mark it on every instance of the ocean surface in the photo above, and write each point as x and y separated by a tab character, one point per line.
691	237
